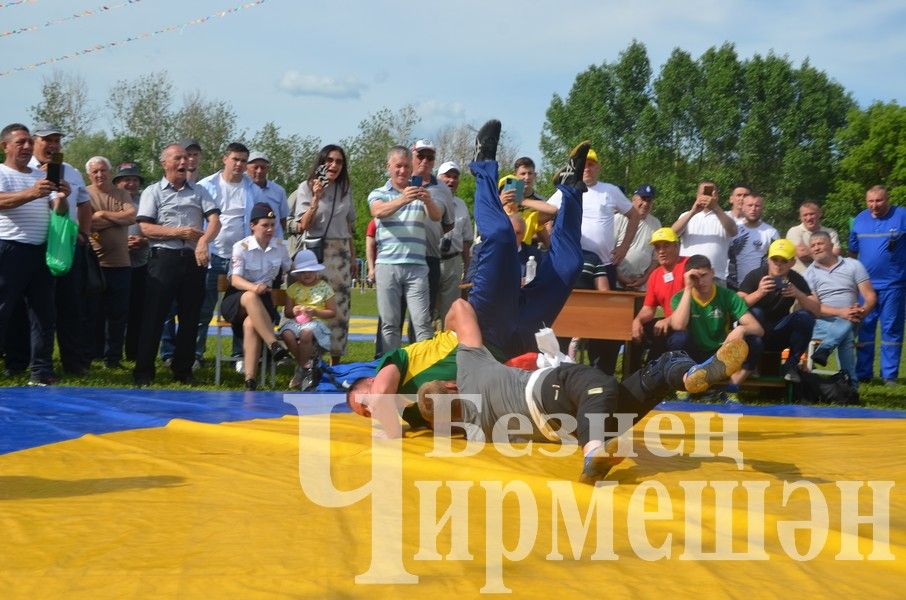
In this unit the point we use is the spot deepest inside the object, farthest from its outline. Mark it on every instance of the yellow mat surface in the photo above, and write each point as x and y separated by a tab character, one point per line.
219	511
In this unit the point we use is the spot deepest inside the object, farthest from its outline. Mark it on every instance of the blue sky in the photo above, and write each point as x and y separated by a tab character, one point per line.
319	68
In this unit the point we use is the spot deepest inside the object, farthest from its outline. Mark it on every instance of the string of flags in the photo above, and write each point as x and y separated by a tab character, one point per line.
78	15
15	2
134	38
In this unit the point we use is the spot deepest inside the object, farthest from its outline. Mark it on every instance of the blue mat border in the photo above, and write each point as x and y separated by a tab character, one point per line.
31	417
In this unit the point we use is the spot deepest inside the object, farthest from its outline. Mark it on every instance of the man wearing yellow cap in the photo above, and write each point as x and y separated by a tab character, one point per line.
770	292
663	283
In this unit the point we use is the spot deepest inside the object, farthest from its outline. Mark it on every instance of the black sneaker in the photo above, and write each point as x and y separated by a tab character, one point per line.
820	356
251	385
279	351
486	141
571	174
791	374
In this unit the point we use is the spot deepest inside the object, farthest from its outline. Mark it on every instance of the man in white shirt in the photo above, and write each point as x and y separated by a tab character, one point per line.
749	248
737	198
73	335
235	194
809	223
707	230
632	273
599	204
26	200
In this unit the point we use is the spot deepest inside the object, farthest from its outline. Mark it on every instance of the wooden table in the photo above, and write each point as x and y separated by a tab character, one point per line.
599	315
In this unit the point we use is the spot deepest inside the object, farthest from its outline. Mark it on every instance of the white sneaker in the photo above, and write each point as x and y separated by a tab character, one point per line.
196	365
168	362
296	382
240	366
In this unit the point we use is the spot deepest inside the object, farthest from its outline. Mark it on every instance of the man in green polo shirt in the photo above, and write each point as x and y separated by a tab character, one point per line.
704	314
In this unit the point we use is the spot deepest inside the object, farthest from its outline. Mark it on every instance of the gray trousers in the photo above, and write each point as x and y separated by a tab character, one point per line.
395	282
450	279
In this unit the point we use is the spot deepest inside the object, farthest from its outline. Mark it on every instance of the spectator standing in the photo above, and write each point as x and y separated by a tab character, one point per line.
737	199
128	177
801	234
172	213
456	244
633	271
749	248
257	168
233	191
838	283
877	241
599	204
424	154
707	230
112	214
74	336
400	268
324	211
27	198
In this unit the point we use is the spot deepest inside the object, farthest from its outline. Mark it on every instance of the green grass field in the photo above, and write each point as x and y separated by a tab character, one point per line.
875	395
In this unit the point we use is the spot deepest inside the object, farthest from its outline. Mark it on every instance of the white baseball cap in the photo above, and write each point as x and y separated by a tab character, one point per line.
448	166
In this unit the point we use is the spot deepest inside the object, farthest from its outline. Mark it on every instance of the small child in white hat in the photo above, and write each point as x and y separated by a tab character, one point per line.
310	304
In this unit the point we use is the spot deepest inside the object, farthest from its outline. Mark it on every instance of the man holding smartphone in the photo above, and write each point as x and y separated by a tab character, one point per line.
73	333
27	198
707	230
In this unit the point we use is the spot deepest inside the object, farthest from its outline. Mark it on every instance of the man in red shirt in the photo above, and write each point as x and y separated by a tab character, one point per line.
665	281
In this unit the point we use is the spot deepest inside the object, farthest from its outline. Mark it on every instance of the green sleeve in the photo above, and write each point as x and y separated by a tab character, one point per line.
738	306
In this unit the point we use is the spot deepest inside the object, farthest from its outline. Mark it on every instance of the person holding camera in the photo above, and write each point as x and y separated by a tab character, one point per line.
707	230
322	219
770	292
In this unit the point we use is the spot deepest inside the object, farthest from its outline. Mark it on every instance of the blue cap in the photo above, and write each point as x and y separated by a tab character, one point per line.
646	190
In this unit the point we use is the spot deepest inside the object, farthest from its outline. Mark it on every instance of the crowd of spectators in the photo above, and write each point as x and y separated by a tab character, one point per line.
167	249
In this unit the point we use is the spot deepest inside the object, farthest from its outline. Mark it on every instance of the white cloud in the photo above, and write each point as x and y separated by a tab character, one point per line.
297	84
435	109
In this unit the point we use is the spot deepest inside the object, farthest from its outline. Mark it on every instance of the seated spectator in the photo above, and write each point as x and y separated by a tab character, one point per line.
256	263
663	283
112	214
310	304
770	292
704	313
633	271
809	223
838	283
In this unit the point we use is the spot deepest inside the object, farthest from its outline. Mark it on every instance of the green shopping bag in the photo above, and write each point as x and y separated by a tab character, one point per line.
61	241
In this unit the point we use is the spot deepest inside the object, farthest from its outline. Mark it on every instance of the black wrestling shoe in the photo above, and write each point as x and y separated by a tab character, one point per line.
486	141
571	174
820	356
251	385
727	360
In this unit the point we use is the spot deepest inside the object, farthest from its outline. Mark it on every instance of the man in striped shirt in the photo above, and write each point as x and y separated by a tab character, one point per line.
26	200
400	268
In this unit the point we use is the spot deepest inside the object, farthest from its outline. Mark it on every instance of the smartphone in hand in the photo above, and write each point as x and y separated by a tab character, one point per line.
708	189
518	186
416	181
55	168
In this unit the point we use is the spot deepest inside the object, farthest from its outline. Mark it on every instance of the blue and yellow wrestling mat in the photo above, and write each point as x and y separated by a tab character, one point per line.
122	494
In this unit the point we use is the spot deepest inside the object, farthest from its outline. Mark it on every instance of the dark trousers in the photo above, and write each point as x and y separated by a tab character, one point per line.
433	284
582	391
24	274
137	288
172	275
794	331
74	336
109	313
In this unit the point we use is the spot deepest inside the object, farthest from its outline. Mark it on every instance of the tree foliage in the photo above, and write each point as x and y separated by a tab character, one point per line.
762	121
